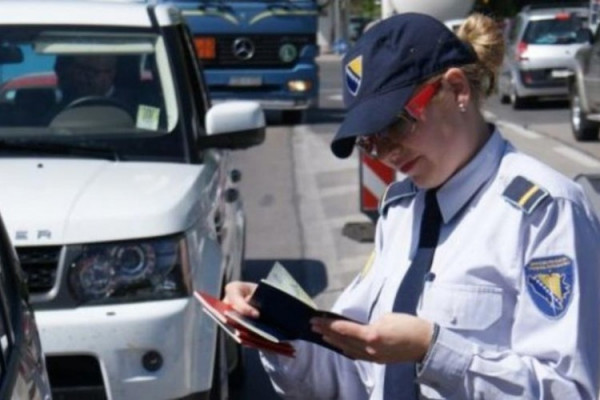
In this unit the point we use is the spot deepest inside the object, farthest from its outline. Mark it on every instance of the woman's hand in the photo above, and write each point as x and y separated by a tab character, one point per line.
237	294
393	338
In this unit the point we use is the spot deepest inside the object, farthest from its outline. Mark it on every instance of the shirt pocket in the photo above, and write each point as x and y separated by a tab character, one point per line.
461	307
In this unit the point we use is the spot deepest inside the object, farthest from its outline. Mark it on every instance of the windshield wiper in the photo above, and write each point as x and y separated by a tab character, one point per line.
46	147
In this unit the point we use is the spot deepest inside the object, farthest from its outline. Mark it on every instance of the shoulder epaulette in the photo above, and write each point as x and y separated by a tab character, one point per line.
524	194
394	192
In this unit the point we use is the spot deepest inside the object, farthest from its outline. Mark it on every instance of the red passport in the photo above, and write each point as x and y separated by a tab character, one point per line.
244	330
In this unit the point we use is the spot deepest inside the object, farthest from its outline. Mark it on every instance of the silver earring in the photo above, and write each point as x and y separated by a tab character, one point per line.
462	108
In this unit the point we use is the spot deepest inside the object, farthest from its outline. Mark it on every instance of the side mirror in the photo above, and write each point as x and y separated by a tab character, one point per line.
234	125
10	54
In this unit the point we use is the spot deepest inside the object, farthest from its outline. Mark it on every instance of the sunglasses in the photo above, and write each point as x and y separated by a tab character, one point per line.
404	122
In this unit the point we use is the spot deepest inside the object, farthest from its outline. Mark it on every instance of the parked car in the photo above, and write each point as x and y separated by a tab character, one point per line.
122	201
584	91
26	86
23	373
541	45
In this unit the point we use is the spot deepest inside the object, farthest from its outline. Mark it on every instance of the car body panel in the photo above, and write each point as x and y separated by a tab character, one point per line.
95	201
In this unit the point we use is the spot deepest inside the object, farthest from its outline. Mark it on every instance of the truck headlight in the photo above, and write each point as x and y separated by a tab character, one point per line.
141	270
299	86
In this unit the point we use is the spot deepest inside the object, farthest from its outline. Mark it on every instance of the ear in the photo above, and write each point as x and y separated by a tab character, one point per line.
459	85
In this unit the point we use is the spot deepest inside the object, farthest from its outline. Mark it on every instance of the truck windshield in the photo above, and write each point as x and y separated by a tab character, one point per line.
76	84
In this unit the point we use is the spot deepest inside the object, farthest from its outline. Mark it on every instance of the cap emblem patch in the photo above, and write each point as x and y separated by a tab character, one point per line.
354	75
550	284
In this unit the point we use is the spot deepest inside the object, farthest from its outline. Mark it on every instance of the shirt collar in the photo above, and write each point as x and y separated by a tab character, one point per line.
461	187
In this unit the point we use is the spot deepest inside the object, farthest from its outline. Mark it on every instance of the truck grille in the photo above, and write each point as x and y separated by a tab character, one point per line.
266	51
39	265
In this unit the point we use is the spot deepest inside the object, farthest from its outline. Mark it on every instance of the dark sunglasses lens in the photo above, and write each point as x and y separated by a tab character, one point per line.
365	144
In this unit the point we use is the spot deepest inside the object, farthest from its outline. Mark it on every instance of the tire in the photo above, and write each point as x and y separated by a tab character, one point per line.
504	98
583	129
292	117
518	102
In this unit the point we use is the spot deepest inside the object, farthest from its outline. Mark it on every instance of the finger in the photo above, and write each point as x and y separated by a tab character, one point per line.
355	338
342	328
245	309
349	344
350	337
351	350
236	295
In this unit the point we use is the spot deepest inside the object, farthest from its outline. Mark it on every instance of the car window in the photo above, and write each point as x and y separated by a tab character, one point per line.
80	82
96	92
515	29
554	31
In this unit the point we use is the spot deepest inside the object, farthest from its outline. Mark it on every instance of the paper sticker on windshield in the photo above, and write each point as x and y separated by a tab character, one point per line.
550	284
147	117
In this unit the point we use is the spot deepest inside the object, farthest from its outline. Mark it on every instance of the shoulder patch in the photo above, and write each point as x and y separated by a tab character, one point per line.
550	284
524	194
394	192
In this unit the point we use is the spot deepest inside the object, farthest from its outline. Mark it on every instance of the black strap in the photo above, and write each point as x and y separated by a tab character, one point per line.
399	381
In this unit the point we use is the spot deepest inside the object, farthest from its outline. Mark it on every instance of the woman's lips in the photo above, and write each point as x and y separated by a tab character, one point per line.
407	166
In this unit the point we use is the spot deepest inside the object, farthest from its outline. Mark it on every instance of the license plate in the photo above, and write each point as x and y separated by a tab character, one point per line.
245	81
560	73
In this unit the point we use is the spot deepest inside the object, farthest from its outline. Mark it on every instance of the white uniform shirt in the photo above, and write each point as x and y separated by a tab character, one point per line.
514	289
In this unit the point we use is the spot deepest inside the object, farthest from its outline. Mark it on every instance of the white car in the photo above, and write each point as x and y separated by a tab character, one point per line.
540	53
120	202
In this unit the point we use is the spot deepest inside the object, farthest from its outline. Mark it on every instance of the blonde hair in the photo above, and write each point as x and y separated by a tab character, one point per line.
485	36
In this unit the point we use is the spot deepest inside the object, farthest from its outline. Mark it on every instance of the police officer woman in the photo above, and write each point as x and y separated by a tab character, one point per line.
484	281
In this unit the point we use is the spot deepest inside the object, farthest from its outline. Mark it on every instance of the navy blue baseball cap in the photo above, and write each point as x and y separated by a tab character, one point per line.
385	66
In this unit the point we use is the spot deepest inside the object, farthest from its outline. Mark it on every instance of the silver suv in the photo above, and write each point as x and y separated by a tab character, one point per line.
539	54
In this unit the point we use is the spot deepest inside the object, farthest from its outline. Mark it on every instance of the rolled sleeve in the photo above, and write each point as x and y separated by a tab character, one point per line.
448	359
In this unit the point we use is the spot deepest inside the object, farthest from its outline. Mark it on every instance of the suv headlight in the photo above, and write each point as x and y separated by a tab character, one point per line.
128	271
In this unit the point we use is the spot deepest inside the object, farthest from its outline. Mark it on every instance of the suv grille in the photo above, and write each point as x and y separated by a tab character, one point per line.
39	265
266	51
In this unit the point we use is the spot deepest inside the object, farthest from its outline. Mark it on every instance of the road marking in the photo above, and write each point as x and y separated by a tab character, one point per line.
577	156
489	116
336	97
519	130
571	153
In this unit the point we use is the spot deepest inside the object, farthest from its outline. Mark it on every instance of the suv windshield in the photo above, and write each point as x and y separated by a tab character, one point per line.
95	87
554	31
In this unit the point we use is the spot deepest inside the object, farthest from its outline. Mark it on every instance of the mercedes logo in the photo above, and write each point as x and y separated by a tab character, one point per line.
243	48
